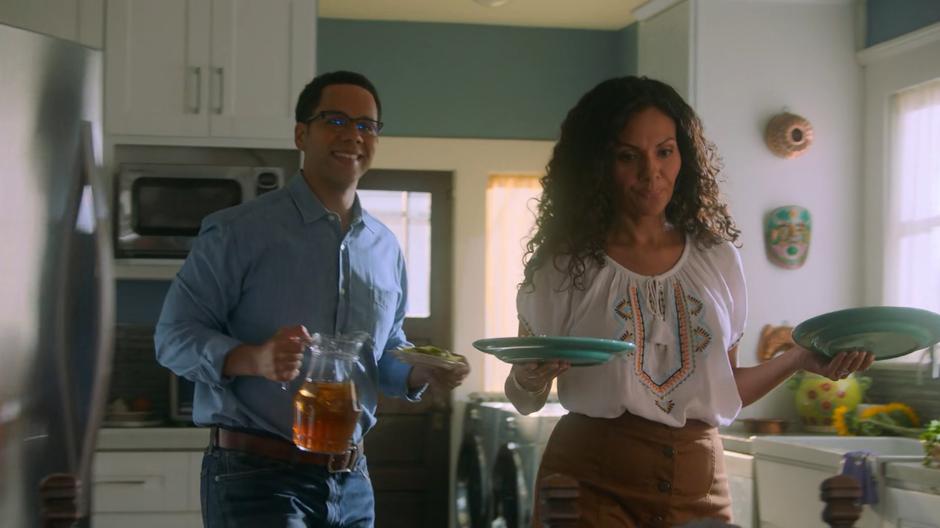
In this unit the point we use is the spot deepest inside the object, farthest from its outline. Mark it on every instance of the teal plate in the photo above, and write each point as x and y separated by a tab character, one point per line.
579	351
885	331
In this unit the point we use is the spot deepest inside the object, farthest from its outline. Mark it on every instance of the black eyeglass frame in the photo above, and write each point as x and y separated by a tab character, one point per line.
336	114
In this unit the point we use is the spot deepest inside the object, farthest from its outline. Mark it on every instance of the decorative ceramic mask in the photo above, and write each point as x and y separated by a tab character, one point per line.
787	234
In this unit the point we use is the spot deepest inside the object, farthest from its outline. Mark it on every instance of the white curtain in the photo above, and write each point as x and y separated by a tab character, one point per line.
511	201
913	253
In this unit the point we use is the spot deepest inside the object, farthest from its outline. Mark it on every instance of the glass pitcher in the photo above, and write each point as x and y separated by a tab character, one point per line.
326	408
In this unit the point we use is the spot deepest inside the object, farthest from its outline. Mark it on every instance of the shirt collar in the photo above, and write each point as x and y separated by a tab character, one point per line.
312	209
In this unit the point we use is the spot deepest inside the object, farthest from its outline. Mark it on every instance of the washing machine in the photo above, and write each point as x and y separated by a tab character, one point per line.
475	460
521	441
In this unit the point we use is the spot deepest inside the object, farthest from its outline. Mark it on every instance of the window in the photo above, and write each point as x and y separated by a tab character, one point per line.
510	216
913	266
408	216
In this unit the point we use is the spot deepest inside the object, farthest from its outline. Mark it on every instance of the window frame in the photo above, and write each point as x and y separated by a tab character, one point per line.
888	69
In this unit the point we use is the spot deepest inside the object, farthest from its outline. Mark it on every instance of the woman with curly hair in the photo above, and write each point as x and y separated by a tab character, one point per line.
633	242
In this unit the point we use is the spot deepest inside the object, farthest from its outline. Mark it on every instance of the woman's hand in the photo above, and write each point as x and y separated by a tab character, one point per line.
535	377
839	367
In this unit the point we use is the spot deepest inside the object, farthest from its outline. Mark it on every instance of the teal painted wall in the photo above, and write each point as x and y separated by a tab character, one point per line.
139	301
629	49
887	19
474	81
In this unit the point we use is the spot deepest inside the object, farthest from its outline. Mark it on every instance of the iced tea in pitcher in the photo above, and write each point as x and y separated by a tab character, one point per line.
326	408
325	416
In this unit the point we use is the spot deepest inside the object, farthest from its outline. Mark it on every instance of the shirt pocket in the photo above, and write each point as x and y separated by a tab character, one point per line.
380	317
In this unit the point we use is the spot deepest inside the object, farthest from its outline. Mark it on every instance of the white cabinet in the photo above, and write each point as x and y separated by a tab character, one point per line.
665	48
740	470
146	488
263	53
207	68
77	20
911	509
156	67
912	496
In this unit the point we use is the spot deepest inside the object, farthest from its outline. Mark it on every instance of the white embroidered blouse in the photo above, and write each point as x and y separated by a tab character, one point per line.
683	323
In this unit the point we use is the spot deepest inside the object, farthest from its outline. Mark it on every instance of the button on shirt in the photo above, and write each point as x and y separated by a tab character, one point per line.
283	260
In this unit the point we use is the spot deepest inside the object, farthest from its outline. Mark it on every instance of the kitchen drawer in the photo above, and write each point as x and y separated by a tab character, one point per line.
147	520
146	481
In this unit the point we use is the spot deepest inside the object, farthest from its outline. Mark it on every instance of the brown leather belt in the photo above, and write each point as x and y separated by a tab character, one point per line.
283	450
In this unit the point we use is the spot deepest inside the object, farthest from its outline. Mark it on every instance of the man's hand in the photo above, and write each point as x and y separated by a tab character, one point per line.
277	359
439	376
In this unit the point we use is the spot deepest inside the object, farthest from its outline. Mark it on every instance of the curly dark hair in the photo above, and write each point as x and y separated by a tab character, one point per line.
577	208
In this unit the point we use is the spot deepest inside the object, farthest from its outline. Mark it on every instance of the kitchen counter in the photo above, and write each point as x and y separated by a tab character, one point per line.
913	476
735	438
152	439
737	441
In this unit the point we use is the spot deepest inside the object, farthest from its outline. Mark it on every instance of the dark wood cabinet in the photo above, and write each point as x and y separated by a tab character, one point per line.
409	458
409	447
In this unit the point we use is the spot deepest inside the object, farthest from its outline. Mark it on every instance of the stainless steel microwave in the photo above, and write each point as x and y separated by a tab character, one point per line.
159	207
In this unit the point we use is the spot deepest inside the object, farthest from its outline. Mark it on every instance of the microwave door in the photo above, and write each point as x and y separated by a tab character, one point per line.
164	213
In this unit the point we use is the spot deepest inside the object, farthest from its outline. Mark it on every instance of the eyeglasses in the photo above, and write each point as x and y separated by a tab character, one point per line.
336	119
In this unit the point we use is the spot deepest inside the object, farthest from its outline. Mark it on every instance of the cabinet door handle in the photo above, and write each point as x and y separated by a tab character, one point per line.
197	104
120	481
220	102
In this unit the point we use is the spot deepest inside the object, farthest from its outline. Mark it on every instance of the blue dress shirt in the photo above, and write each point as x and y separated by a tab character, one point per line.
283	260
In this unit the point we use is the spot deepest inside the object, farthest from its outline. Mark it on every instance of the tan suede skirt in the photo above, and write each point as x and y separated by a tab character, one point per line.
634	472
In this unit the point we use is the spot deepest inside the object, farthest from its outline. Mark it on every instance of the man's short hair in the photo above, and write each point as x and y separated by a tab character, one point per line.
311	94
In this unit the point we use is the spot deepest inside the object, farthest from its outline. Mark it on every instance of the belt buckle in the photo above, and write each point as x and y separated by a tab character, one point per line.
349	457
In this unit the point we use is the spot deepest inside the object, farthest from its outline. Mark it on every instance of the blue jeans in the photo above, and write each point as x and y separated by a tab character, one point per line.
244	490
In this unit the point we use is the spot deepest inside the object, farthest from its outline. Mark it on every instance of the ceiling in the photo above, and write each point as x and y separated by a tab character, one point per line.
579	14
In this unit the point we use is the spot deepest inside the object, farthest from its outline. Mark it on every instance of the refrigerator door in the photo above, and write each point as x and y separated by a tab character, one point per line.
56	287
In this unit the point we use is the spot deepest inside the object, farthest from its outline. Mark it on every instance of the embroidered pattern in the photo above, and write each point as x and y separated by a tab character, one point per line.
665	406
686	362
656	298
625	312
639	330
702	338
691	333
695	305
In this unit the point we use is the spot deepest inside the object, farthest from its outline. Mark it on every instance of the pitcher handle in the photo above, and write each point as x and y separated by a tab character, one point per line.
309	352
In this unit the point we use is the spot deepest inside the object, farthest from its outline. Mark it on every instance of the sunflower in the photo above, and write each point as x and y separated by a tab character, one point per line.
840	421
876	420
906	411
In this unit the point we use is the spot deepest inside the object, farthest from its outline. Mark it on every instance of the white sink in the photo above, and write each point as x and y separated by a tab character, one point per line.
827	451
790	470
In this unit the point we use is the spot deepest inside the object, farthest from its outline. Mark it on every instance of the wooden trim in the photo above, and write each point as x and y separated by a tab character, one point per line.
653	8
894	47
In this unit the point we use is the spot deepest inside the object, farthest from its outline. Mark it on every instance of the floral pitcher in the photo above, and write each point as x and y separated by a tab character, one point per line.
818	396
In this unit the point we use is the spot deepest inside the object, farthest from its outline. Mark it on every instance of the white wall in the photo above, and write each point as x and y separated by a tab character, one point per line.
754	59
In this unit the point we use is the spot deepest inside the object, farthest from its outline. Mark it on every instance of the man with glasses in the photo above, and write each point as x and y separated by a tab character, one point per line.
260	277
